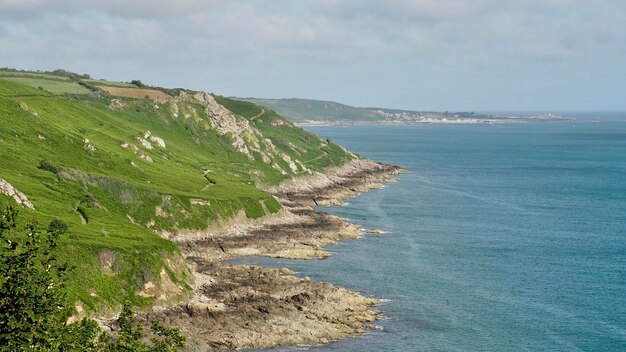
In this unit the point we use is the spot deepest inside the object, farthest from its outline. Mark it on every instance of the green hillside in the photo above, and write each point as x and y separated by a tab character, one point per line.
312	111
301	110
125	172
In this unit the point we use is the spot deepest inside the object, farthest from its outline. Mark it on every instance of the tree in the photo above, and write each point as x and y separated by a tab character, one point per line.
32	302
130	337
166	339
34	308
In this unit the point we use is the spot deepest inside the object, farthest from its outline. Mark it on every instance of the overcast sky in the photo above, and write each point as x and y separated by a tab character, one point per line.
420	54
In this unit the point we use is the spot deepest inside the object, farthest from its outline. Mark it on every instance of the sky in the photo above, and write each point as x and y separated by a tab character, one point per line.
456	55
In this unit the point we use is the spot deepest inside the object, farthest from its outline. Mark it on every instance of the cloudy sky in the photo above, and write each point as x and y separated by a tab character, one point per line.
420	54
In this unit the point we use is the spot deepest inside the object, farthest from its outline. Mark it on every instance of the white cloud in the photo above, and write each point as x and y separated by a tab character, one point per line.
342	30
295	37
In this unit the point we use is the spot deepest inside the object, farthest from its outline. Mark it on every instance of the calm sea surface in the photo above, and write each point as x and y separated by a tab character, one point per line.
501	238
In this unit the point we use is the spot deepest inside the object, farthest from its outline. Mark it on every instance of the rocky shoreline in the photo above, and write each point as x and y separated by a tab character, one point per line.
246	306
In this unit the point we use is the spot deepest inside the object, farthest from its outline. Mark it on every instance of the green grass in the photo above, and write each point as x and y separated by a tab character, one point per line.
53	86
128	200
104	82
37	75
57	84
301	110
314	152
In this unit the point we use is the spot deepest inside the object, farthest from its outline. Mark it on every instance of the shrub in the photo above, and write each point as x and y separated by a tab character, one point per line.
47	166
58	226
34	308
89	86
130	335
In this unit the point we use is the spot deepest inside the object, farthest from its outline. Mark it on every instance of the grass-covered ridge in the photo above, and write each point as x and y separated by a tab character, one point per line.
121	171
320	111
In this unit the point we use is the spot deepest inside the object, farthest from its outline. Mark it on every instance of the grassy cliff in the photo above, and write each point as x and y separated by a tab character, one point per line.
123	171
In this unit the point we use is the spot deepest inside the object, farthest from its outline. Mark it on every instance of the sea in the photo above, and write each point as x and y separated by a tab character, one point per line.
501	237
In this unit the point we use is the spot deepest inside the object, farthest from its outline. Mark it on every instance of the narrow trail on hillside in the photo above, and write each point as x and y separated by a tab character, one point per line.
258	115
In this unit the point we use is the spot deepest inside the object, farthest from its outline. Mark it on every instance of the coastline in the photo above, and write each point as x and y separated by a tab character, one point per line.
246	306
451	121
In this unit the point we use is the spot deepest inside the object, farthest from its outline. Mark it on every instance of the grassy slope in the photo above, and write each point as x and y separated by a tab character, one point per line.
293	140
50	83
103	82
300	110
125	198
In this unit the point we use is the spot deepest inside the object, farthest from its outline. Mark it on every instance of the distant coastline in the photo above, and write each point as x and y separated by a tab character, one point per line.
309	112
442	121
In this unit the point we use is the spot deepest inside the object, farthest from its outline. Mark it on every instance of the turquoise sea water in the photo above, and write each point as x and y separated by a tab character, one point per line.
501	238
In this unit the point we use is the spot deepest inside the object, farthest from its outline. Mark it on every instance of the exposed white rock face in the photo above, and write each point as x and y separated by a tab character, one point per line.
147	140
245	138
159	141
88	146
141	154
279	122
175	109
195	201
227	123
144	143
19	197
116	104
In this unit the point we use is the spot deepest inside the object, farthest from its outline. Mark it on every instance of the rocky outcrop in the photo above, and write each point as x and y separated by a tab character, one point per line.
336	184
116	104
138	152
157	140
252	307
227	123
243	306
20	198
88	146
244	137
295	233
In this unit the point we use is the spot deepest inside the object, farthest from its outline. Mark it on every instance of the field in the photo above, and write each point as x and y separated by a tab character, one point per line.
104	82
50	83
138	93
60	84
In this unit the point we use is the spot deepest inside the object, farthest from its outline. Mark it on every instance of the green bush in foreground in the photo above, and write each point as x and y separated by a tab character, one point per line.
33	306
32	309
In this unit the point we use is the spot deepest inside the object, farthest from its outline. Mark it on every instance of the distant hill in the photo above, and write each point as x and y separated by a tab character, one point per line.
312	111
316	112
302	110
